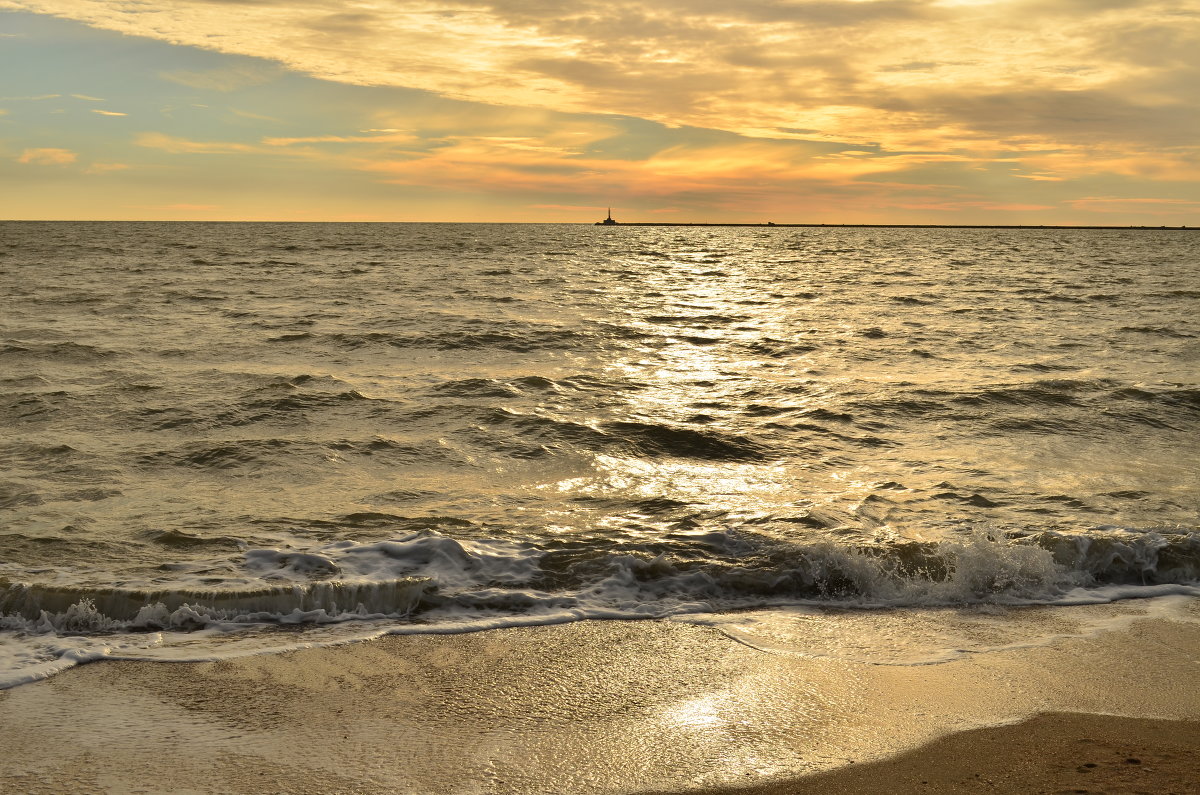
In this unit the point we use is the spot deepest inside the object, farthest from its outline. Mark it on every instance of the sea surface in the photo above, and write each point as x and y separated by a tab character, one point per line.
219	438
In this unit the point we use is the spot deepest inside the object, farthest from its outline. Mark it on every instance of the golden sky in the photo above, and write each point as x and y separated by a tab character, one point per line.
824	111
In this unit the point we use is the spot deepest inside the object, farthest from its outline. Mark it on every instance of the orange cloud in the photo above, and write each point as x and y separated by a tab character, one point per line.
47	156
390	136
842	106
958	206
176	145
750	177
903	73
1114	204
749	166
105	168
1178	164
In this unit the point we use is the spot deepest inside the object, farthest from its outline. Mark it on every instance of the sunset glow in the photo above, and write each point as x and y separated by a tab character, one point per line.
829	111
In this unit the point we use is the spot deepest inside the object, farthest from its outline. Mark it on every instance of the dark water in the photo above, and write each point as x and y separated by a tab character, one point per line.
207	425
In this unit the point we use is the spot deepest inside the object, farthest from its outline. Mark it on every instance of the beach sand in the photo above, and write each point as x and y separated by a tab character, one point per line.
618	707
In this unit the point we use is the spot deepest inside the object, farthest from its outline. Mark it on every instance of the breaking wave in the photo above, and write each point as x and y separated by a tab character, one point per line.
428	578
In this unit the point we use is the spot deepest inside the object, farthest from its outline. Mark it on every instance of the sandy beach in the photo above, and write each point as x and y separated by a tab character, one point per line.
618	707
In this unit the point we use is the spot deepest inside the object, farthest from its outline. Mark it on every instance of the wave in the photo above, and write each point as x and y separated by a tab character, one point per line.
1087	401
503	389
521	338
1161	331
1187	398
301	401
36	407
1040	393
274	452
428	577
643	439
82	609
70	352
456	332
778	349
23	454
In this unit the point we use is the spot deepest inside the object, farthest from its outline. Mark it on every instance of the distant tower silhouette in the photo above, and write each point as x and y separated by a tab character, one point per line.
607	221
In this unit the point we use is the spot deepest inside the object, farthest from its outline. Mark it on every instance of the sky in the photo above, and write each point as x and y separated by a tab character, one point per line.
789	111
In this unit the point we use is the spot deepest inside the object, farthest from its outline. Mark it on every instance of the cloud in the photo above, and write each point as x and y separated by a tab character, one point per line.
47	157
1054	116
179	146
750	173
1178	164
105	168
224	80
1114	204
381	137
108	112
990	206
847	70
581	207
245	114
939	106
87	98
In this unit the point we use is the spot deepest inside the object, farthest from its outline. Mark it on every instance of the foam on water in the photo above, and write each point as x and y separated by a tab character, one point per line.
428	582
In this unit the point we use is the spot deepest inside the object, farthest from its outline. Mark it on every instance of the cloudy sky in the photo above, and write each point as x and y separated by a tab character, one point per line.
823	111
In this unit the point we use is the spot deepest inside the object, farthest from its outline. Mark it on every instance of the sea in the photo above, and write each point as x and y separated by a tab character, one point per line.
236	438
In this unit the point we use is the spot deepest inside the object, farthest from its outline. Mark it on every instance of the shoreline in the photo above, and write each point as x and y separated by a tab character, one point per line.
613	707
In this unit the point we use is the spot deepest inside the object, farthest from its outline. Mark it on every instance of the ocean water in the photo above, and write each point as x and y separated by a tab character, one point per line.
227	438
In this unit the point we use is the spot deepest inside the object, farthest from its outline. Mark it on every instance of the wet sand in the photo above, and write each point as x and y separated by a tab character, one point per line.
1050	753
617	707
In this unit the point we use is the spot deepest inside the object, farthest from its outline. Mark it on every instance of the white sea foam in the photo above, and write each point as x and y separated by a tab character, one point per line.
430	583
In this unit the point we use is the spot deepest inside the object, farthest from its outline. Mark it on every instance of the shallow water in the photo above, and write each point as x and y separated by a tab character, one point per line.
436	427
